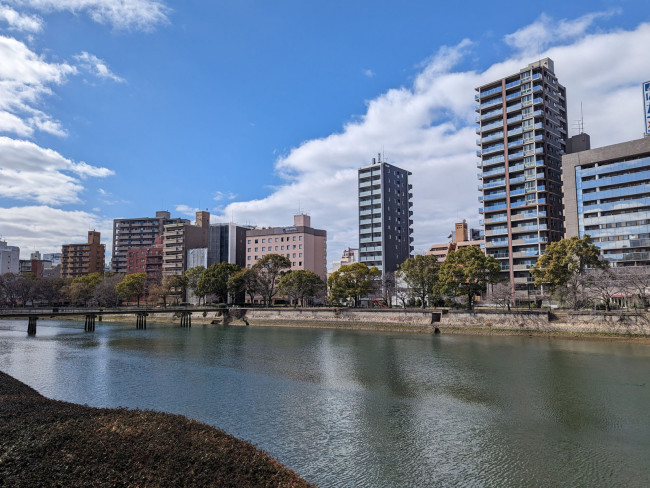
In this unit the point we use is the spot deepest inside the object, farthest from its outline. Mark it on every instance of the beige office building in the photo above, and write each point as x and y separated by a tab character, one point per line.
83	259
305	246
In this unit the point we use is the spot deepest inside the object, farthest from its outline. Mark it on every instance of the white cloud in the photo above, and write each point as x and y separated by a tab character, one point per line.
97	66
429	129
30	172
20	22
25	77
121	14
220	196
45	228
547	31
186	210
369	73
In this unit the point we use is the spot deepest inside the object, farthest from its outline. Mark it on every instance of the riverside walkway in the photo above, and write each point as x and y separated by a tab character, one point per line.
92	314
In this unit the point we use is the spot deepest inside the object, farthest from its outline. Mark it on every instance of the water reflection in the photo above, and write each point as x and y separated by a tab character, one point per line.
353	408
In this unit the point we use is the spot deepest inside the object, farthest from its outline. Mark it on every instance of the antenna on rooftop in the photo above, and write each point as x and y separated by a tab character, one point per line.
579	124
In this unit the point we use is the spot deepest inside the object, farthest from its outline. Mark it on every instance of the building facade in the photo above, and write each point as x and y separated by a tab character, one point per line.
385	224
135	233
9	258
607	196
349	256
83	259
146	260
461	237
305	246
227	243
522	128
180	237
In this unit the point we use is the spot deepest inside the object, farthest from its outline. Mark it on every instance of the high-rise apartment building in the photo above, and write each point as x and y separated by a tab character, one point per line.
607	196
9	258
303	245
385	224
179	238
522	130
83	259
138	232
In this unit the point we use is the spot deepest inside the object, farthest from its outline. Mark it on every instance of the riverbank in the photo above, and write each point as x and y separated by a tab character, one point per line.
46	442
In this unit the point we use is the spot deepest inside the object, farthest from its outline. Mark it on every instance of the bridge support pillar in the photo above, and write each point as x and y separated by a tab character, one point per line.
89	324
186	319
141	320
31	325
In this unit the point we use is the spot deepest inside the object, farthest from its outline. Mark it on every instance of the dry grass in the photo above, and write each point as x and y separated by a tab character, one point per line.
50	443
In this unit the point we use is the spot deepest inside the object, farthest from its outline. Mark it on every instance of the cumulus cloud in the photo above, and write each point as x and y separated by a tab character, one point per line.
428	128
98	67
25	77
186	210
20	22
121	14
30	172
546	31
45	228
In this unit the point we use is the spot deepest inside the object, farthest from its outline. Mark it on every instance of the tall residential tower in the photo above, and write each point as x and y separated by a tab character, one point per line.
385	224
522	131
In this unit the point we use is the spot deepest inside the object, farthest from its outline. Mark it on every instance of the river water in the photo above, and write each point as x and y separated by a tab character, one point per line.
355	408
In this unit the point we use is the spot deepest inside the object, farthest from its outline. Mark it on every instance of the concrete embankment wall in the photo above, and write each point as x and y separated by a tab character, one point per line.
543	321
534	320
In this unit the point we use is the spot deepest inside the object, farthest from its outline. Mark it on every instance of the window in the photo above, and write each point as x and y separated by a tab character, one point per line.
255	251
299	263
276	240
263	248
300	238
276	247
299	254
294	254
282	247
256	241
249	241
299	246
294	246
293	264
255	258
249	264
249	258
294	238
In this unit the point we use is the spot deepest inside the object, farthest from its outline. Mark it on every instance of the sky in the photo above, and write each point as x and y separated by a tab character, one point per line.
256	110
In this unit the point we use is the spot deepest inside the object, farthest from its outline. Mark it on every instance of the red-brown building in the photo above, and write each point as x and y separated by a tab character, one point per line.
147	260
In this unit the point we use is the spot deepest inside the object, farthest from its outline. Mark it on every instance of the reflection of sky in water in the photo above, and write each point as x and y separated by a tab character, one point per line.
346	408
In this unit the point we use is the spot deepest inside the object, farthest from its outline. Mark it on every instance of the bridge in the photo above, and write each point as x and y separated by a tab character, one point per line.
92	314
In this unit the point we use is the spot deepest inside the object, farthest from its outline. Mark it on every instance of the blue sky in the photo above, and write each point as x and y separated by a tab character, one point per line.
254	109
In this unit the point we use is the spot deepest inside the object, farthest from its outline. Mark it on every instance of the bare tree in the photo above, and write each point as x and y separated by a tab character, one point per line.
602	285
388	286
637	282
502	294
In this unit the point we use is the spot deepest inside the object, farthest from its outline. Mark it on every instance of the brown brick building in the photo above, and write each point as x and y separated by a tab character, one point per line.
82	259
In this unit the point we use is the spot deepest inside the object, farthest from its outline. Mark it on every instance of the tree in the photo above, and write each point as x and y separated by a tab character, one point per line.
244	281
104	293
16	288
637	282
270	269
177	285
49	290
602	284
133	285
351	282
467	272
214	280
192	277
421	275
83	287
300	285
502	294
388	288
563	266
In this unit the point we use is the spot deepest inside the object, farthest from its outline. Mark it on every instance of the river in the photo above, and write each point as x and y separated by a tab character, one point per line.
377	409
